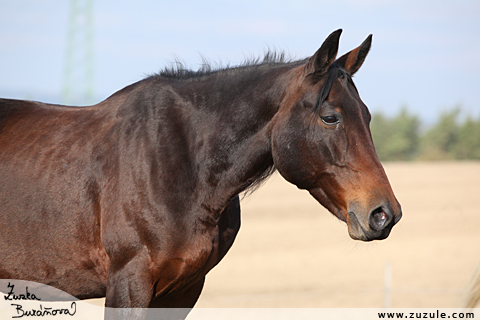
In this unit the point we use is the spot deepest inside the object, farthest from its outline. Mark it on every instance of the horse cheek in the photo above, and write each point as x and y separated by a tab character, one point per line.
292	158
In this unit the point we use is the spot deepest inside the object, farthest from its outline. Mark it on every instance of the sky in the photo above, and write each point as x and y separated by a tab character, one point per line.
425	55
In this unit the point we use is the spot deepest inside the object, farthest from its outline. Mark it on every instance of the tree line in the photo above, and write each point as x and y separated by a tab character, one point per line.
404	137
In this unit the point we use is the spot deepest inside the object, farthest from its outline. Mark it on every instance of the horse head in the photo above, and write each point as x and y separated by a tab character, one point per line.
321	142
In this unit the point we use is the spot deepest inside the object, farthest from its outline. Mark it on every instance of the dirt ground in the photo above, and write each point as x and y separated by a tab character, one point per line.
291	252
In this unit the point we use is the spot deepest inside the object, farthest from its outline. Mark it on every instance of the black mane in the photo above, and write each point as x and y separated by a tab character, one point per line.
178	71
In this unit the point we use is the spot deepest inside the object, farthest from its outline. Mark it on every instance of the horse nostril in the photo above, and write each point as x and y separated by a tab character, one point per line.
378	219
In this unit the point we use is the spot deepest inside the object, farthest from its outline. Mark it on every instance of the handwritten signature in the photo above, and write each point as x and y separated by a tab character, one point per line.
41	311
12	296
44	311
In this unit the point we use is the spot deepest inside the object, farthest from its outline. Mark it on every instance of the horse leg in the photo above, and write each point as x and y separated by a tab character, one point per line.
129	289
176	306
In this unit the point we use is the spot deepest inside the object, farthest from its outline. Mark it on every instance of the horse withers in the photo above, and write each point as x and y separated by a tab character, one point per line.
136	198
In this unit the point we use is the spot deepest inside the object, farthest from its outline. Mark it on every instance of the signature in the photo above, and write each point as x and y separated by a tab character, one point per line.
44	311
40	311
12	296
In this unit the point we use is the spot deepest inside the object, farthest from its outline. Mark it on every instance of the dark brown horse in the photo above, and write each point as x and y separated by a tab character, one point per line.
136	198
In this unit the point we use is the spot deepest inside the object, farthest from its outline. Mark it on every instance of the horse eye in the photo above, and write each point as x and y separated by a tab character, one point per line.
330	120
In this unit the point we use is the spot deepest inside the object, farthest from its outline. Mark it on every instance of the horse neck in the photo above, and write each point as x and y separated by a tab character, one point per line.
210	135
238	149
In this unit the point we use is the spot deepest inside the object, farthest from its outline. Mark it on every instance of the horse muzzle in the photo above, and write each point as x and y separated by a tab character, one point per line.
374	226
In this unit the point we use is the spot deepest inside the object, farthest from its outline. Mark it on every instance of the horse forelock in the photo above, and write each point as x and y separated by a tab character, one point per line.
334	72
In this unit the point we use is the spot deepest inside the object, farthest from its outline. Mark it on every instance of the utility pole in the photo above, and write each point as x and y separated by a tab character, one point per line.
78	77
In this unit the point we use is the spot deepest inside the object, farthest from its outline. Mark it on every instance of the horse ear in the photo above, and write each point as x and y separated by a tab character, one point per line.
325	56
353	60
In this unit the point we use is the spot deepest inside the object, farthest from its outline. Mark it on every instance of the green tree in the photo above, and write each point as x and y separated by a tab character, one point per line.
468	142
439	142
379	126
397	138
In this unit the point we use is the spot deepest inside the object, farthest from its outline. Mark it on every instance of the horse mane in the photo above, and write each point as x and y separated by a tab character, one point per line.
178	71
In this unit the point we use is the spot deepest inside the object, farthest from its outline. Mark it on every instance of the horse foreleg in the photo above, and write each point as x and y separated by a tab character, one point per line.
176	306
183	299
129	289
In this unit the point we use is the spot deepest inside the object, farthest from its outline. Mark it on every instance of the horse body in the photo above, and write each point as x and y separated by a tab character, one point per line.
141	171
136	198
49	228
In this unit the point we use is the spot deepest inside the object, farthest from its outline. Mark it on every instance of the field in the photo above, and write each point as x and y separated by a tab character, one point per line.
291	252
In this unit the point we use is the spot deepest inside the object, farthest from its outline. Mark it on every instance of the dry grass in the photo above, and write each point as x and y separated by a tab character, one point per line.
291	252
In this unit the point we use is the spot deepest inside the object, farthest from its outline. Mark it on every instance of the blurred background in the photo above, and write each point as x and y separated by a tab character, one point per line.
420	82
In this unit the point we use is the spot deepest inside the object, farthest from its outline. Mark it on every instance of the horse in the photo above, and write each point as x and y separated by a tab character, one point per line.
136	198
